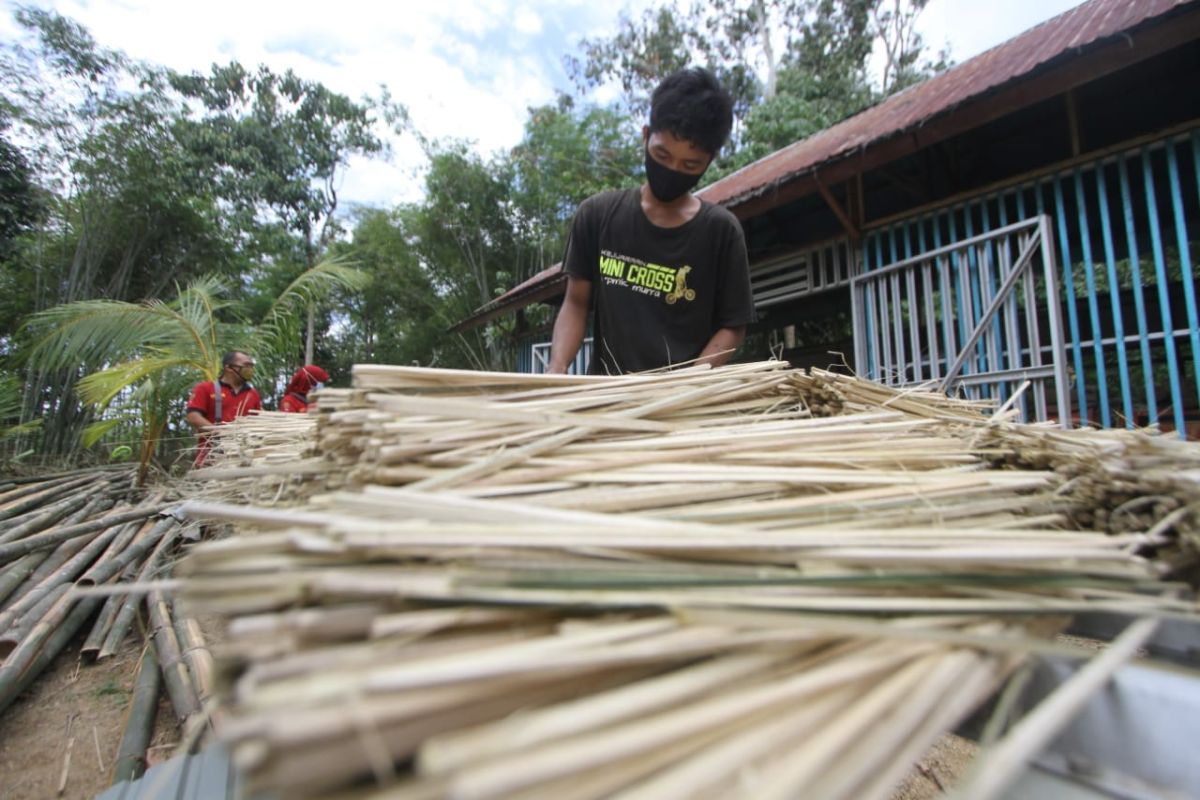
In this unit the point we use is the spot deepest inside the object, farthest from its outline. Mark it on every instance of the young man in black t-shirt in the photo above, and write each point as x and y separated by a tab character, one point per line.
665	271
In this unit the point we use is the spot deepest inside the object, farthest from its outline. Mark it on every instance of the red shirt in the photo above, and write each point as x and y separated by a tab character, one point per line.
294	403
233	405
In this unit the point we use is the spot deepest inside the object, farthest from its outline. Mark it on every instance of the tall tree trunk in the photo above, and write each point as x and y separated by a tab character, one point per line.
308	339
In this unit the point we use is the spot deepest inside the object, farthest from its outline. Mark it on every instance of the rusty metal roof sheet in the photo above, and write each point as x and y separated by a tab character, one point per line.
1016	58
546	284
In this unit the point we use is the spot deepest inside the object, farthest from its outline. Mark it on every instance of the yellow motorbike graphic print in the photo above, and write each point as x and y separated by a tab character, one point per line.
681	288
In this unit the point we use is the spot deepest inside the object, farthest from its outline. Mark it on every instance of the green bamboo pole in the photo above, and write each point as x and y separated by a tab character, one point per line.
170	657
99	469
113	604
24	487
50	538
19	628
43	498
102	573
53	559
48	516
139	724
49	650
16	574
65	574
129	605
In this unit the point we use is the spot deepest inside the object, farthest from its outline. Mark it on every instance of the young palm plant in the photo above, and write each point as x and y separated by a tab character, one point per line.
147	355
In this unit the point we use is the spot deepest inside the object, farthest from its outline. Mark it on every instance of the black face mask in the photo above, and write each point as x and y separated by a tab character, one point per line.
665	183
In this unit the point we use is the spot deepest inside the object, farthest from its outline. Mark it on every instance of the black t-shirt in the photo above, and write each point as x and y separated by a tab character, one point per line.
659	294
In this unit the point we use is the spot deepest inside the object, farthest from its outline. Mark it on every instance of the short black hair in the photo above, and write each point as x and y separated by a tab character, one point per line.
692	104
231	356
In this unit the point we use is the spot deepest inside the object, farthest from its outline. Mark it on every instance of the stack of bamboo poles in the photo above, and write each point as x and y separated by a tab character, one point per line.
67	544
686	584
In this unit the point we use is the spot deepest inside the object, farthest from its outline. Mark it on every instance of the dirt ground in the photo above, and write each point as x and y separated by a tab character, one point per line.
70	721
941	768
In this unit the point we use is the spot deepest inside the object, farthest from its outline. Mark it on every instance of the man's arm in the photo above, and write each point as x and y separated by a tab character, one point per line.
570	325
199	422
721	346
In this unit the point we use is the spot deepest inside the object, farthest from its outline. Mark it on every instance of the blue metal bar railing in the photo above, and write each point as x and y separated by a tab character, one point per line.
1121	239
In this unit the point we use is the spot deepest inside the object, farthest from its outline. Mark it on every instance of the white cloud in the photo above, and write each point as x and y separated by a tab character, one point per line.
527	22
972	27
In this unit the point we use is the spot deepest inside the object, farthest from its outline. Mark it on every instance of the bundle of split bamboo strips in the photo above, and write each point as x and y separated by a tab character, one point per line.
685	584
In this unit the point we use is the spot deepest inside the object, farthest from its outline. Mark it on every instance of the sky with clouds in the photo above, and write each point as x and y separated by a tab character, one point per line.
463	68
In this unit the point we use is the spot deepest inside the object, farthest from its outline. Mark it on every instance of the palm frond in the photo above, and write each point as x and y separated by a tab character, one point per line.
99	388
96	431
316	284
279	331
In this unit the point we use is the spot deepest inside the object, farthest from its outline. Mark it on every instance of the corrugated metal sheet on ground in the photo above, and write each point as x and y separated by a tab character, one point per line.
208	775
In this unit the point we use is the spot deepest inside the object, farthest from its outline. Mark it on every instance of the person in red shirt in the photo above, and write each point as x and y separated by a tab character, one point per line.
295	399
216	402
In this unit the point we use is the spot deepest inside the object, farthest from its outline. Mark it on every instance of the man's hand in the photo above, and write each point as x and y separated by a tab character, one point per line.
199	422
721	346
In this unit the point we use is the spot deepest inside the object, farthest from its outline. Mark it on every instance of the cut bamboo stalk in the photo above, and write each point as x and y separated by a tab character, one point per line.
197	657
23	487
139	722
46	517
64	575
127	612
57	535
19	659
62	633
15	633
51	560
15	574
43	497
180	687
112	605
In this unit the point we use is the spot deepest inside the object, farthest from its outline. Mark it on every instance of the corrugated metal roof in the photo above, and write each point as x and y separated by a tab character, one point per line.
1083	25
546	283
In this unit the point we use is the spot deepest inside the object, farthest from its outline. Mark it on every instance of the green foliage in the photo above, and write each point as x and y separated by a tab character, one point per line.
567	154
142	358
10	409
793	67
144	180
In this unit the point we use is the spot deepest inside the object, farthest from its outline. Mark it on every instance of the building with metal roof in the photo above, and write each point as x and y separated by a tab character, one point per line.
923	238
